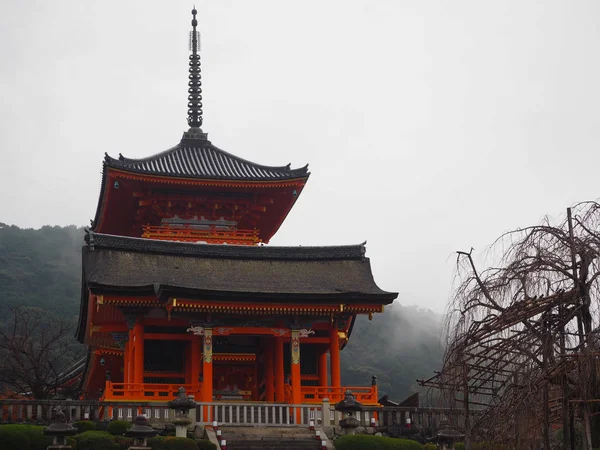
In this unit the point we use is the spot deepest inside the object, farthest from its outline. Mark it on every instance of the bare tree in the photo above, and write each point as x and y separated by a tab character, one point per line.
35	348
522	334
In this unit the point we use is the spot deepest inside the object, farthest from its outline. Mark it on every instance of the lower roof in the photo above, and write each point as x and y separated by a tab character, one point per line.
133	266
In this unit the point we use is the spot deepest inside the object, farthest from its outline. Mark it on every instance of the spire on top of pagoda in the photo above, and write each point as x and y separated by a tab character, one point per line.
195	83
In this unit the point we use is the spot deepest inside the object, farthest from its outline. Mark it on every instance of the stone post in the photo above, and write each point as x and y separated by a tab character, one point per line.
182	404
325	414
59	429
348	407
140	432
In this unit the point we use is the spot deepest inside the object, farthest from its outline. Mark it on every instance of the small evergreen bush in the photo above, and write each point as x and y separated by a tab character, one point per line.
96	440
13	436
430	446
206	445
365	442
172	443
84	425
123	442
118	427
37	440
26	437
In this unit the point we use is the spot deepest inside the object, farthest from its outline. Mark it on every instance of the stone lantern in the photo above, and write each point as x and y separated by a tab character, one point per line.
140	432
59	429
447	437
182	405
348	407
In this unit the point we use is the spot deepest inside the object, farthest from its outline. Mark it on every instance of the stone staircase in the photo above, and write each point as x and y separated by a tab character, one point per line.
270	438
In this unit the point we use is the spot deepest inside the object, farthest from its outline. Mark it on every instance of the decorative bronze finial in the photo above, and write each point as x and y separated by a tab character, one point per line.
195	83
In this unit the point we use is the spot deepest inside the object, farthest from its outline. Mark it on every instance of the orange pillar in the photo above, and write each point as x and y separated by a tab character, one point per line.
207	367
279	376
295	368
138	363
126	358
195	362
269	373
334	349
323	367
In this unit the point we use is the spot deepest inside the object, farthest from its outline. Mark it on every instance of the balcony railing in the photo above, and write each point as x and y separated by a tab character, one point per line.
212	235
146	391
316	394
159	392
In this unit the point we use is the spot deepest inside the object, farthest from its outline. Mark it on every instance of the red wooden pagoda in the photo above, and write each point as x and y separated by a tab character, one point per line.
178	292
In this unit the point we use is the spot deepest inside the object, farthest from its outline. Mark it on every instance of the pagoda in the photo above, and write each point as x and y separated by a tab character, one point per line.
178	288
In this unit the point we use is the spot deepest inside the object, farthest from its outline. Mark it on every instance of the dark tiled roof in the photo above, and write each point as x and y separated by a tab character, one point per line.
330	253
198	158
133	266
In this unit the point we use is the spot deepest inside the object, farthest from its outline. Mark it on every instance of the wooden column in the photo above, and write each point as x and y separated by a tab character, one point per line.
195	361
138	362
322	363
295	367
279	375
207	367
269	372
126	358
334	349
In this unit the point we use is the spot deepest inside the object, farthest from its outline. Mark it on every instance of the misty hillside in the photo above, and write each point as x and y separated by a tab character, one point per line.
398	346
43	268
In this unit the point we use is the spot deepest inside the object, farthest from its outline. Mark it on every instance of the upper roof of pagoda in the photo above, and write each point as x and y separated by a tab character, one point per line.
196	191
199	158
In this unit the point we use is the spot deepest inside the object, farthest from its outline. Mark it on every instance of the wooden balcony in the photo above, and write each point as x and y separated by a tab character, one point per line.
149	392
212	235
156	392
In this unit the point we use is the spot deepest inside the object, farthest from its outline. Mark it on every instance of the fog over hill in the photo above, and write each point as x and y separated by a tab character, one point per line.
43	268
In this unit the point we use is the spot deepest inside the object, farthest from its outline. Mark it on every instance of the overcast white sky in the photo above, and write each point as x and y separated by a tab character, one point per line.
429	126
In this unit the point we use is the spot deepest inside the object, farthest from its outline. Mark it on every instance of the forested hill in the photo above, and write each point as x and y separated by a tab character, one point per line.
43	268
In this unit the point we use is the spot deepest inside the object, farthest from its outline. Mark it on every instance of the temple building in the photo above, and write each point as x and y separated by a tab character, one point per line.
179	288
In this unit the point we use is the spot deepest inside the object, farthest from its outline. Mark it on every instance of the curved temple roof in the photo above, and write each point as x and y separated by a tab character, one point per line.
134	266
198	158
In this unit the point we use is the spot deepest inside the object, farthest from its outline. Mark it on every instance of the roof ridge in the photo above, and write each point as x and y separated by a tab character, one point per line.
338	252
219	161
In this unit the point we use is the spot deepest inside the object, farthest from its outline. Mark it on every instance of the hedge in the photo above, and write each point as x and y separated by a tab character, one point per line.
118	427
482	446
31	437
25	437
84	425
206	445
96	440
365	442
172	443
430	446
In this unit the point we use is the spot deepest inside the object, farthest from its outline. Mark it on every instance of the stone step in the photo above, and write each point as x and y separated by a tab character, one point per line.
275	445
270	438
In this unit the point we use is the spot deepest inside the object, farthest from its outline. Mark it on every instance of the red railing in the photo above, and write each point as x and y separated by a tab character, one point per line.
164	392
212	234
146	391
316	394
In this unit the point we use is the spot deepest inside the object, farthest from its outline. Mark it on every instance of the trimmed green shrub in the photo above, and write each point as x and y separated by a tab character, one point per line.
482	446
206	445
26	437
123	442
37	440
365	442
172	443
13	436
430	446
84	425
96	440
118	427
